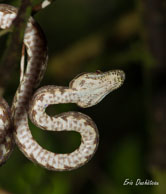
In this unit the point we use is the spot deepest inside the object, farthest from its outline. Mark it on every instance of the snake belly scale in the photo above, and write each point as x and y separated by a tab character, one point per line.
85	90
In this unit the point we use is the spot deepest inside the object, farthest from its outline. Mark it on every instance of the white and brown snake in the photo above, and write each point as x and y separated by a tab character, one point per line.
85	90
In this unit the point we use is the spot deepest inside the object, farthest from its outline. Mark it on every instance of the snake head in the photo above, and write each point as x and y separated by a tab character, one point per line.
93	87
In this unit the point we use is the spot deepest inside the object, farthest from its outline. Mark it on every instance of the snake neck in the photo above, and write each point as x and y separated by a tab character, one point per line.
55	95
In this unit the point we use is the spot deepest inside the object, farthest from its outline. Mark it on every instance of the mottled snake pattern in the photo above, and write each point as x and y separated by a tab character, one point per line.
85	90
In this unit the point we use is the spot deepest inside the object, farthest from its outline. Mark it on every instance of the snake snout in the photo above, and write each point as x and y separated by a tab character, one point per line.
122	75
119	74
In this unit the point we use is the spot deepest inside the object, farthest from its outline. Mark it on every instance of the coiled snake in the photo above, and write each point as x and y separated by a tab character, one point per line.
85	90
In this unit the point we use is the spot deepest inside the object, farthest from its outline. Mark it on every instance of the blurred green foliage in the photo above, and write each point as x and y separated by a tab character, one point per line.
85	35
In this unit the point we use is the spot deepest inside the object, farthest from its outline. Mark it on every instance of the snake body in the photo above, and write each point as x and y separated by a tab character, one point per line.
6	136
85	90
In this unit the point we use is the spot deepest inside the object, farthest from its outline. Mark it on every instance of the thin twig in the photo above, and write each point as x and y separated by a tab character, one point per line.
5	31
41	5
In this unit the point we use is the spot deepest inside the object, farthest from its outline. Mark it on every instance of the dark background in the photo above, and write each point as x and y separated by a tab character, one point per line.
83	36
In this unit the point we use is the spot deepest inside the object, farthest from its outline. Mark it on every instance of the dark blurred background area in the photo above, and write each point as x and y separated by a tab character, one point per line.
84	36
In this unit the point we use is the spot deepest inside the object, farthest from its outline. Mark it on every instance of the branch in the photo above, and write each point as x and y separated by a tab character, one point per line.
14	43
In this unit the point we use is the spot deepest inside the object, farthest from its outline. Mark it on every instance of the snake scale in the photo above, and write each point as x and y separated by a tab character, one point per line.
85	90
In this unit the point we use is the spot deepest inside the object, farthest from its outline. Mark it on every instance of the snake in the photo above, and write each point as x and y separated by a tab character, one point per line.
85	90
